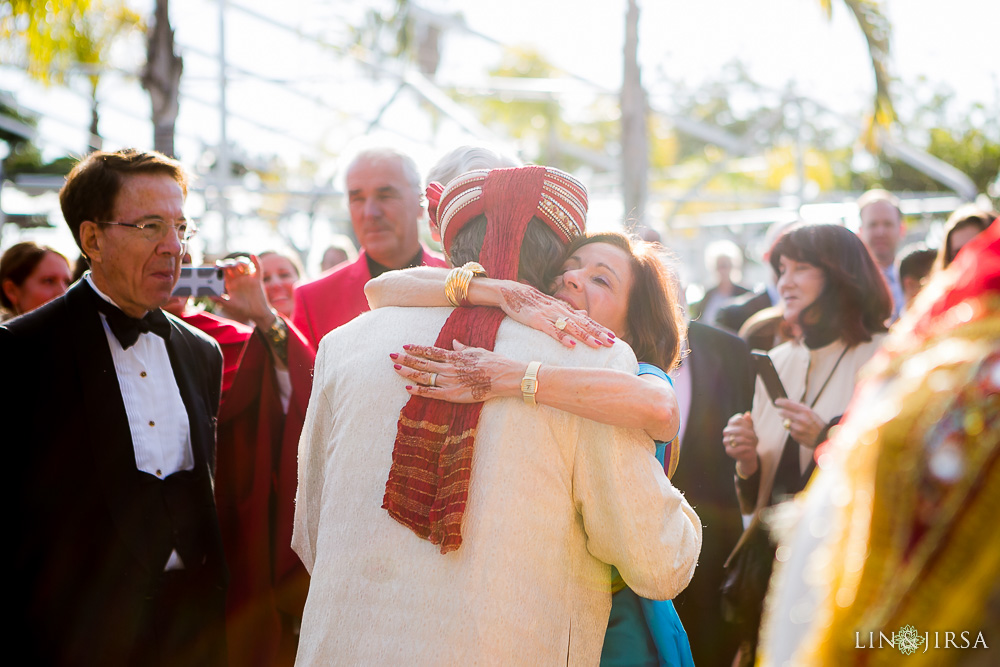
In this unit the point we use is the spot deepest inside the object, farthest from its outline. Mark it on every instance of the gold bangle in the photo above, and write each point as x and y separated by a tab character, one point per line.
456	285
476	268
453	286
529	383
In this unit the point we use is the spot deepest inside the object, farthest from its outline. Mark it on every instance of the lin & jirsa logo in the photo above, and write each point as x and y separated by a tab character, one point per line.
908	640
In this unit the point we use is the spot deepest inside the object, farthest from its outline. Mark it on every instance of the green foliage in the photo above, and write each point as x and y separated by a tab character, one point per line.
50	38
968	139
39	35
24	157
877	31
523	118
972	151
27	159
389	33
930	119
537	120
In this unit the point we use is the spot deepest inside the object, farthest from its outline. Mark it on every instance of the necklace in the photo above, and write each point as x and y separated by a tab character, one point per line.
805	391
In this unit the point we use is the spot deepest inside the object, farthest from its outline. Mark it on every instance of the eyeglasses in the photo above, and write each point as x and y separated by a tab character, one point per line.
156	229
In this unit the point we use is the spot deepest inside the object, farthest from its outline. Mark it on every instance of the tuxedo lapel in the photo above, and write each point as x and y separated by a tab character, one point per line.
107	432
184	363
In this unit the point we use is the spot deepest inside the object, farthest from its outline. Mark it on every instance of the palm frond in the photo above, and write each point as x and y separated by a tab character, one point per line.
877	31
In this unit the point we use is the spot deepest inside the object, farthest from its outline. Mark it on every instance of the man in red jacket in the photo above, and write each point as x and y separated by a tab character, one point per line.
383	192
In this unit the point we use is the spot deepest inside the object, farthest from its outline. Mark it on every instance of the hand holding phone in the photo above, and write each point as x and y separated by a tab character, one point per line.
765	371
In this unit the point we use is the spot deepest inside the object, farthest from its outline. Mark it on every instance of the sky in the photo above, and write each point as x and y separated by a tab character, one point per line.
292	93
778	41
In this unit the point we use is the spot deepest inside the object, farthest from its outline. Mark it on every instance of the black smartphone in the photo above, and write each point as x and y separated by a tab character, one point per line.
765	371
200	281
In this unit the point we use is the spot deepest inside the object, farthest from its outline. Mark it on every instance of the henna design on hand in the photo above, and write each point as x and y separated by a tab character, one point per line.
516	300
470	375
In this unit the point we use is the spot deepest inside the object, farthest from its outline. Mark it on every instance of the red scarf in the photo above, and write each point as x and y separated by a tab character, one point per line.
428	484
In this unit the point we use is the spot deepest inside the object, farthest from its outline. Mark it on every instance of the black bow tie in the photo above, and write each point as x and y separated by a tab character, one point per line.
127	329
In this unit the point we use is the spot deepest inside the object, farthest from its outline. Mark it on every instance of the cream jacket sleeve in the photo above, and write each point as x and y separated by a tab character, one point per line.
634	518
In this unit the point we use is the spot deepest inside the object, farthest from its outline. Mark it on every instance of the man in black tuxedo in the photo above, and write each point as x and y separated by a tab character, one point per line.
111	407
715	383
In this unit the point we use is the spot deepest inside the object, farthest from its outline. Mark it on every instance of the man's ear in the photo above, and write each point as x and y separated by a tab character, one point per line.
435	231
90	241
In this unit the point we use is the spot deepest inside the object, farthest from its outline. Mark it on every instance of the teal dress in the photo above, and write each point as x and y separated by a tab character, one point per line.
640	631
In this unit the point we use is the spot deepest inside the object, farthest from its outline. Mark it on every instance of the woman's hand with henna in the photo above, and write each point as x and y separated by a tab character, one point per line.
538	310
463	375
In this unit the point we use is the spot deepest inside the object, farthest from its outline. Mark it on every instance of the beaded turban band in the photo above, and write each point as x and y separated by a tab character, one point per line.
431	469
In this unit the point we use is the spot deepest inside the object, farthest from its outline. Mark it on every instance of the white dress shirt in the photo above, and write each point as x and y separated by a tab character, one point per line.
157	418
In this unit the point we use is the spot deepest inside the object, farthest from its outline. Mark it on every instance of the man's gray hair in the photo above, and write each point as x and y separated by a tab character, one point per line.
379	154
467	158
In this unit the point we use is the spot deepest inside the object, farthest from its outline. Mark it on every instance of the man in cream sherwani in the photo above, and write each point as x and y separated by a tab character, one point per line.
554	501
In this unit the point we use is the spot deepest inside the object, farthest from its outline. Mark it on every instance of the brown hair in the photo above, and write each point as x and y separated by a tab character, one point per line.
855	302
656	325
916	261
969	215
20	261
92	186
541	250
291	257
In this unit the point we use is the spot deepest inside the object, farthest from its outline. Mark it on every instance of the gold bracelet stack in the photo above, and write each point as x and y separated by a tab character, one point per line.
456	286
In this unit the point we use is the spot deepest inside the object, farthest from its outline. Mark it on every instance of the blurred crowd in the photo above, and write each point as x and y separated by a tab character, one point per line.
824	446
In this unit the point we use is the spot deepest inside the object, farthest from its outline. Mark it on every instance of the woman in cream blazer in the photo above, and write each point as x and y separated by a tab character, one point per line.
834	295
837	303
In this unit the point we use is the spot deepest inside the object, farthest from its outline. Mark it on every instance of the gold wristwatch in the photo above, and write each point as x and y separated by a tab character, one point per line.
529	383
276	336
277	333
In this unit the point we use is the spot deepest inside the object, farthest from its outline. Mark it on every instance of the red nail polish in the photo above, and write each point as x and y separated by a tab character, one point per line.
408	387
393	355
397	366
572	342
611	334
406	347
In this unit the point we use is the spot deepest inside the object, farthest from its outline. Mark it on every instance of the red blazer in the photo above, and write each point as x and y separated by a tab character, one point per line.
338	297
231	337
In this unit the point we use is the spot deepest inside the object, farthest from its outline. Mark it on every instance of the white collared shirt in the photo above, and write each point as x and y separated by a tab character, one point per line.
157	418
